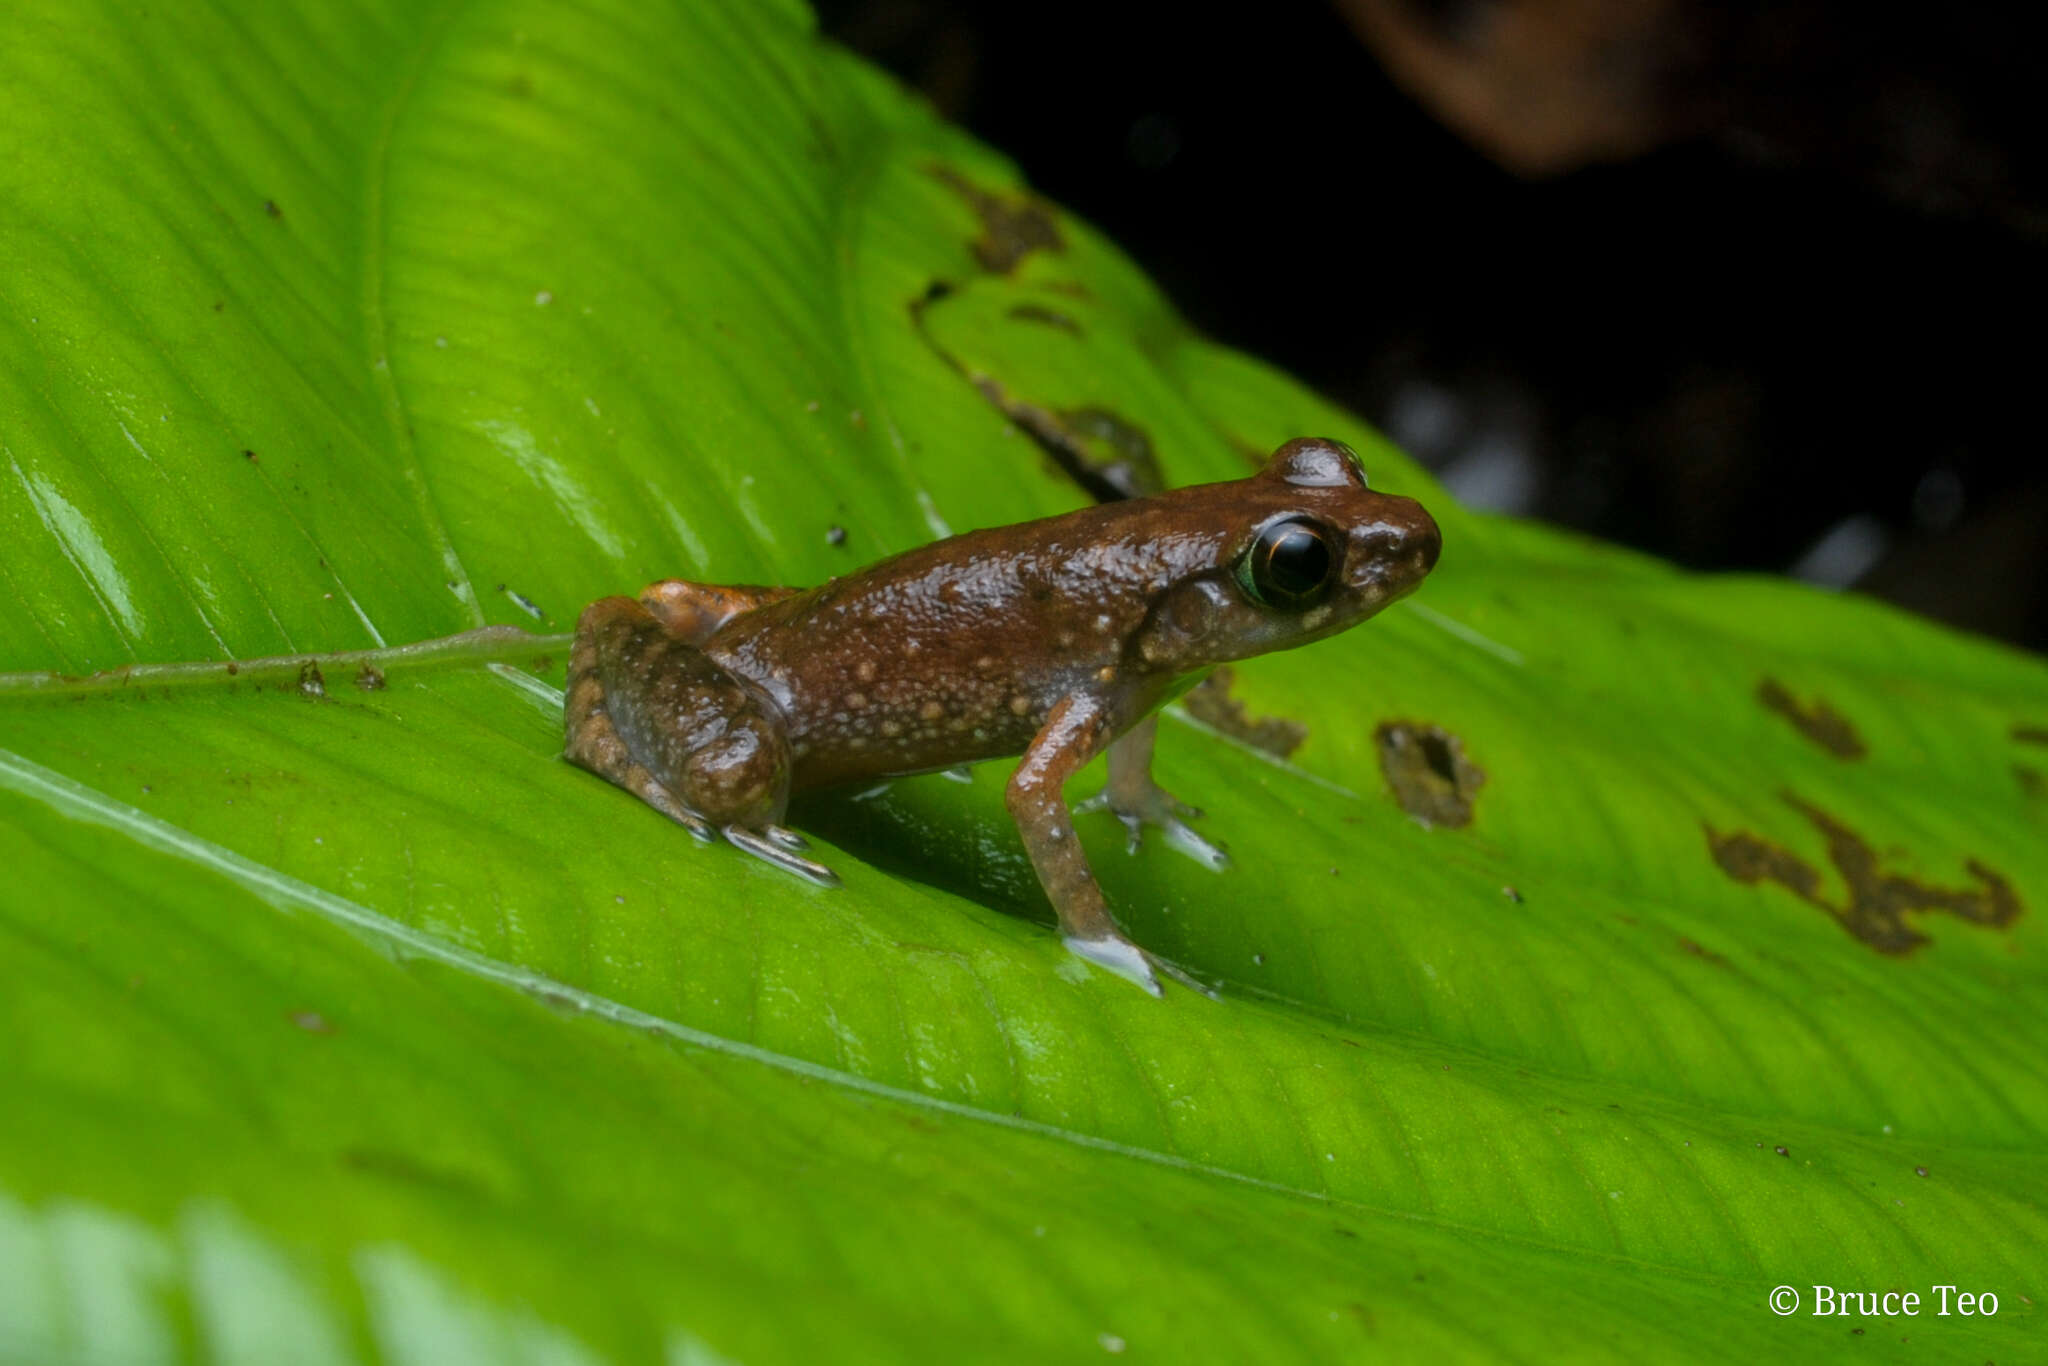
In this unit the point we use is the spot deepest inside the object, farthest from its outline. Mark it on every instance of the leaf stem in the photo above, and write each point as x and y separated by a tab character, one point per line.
485	645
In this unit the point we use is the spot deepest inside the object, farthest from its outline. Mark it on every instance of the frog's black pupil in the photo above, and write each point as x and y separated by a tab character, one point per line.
1290	564
1299	561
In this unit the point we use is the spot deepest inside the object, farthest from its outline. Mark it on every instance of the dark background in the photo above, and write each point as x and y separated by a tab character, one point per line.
1796	329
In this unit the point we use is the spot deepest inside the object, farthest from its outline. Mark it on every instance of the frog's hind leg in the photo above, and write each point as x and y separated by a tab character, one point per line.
654	714
692	612
590	741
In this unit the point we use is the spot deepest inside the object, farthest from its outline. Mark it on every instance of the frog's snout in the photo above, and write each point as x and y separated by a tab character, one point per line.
1397	549
1428	541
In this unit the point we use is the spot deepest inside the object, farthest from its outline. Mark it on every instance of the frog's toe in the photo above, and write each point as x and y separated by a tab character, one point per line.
1133	964
787	838
1119	956
768	850
700	828
664	801
1186	839
1132	822
1183	976
1160	808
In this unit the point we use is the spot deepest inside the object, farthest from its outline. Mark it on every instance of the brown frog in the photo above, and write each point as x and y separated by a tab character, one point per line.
1055	639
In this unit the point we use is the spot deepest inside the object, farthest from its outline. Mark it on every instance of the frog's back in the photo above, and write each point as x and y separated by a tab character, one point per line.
948	653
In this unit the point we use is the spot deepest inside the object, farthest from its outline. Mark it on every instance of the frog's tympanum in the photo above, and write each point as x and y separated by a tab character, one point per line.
1055	639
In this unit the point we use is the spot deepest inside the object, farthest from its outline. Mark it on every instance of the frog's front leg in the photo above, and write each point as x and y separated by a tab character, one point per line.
1077	730
1138	801
658	717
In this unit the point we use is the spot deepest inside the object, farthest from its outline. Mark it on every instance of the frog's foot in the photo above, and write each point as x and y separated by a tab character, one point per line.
777	846
1120	956
644	785
594	744
1139	806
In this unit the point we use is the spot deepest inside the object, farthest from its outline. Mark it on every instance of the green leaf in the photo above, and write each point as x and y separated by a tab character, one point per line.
349	1023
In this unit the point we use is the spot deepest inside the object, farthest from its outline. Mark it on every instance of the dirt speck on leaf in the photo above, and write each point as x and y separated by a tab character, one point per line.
523	603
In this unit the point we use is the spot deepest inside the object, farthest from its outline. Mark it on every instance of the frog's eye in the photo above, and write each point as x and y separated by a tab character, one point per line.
1290	565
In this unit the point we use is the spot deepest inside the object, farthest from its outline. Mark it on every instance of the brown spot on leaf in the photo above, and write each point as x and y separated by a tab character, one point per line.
311	683
2031	735
1109	456
1210	702
1876	902
1038	313
1818	722
392	1165
1698	950
370	678
1428	770
1012	227
1117	449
